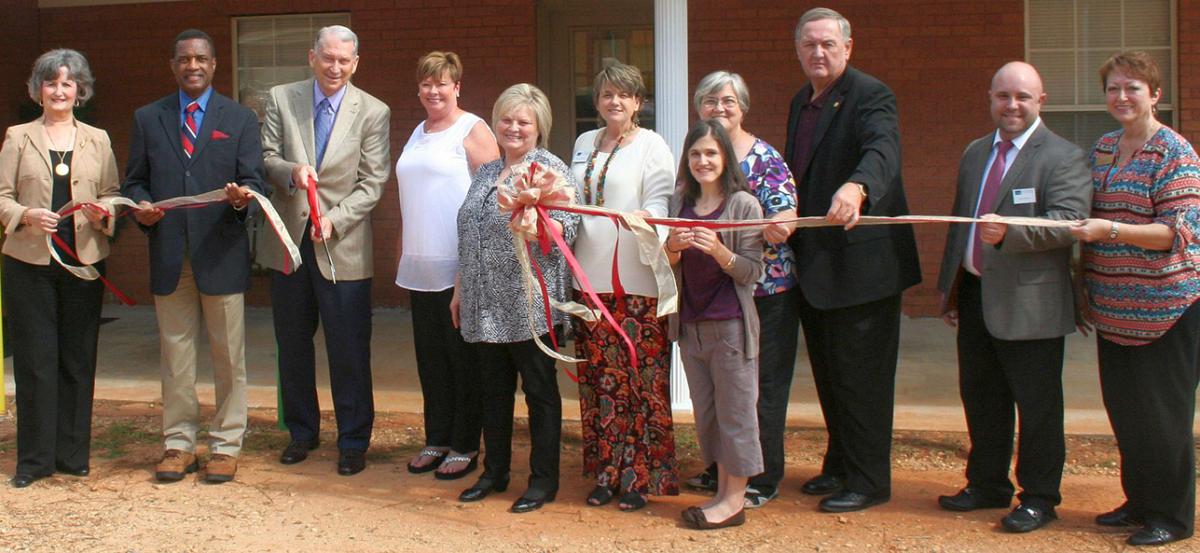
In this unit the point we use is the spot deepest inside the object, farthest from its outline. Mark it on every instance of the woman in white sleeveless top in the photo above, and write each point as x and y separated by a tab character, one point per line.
433	174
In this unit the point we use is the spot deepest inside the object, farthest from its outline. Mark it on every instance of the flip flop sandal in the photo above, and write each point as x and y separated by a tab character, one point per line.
438	455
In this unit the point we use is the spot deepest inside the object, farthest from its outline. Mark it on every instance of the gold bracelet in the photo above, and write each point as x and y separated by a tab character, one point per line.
25	217
728	264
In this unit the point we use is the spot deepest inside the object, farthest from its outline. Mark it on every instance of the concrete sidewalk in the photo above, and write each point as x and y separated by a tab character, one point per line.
926	381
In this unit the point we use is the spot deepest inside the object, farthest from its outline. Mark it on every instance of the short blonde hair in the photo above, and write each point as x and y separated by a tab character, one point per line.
435	64
525	95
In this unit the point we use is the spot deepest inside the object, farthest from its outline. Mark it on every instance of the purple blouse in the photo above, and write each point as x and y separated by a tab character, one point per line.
708	293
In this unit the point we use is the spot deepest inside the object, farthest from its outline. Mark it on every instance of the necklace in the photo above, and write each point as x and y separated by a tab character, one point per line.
591	165
61	168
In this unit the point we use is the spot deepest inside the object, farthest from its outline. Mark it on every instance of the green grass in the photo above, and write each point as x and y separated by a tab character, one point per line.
111	442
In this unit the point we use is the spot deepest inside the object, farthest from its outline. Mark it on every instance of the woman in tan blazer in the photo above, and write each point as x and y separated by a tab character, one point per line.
55	315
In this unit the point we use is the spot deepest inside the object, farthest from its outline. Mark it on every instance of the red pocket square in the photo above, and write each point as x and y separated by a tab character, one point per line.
218	135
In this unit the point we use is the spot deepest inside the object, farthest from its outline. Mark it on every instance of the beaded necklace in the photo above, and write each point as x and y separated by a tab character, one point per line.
591	165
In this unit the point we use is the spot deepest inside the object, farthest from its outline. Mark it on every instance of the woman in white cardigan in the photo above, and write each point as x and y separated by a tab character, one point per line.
629	444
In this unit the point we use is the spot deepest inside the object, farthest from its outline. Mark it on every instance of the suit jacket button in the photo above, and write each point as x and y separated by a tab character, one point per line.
304	215
187	173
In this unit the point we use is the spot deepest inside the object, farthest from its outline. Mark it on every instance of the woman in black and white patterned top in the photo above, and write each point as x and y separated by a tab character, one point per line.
490	307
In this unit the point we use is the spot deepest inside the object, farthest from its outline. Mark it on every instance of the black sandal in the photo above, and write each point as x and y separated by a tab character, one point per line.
601	495
631	501
438	457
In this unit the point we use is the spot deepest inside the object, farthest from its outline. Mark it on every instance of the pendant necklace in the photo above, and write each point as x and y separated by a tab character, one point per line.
61	168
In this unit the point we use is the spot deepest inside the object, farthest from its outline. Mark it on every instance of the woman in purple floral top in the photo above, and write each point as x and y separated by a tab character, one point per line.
723	96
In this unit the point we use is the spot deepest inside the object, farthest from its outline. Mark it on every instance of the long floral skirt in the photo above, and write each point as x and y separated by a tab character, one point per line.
628	440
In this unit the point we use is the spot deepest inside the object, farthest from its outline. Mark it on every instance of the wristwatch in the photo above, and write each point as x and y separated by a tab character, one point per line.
1114	231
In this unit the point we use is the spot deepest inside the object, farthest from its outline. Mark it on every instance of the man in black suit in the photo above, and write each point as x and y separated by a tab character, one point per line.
1008	291
191	142
843	147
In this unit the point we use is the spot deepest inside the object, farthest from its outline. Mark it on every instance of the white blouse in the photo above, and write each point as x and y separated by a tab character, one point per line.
433	176
641	176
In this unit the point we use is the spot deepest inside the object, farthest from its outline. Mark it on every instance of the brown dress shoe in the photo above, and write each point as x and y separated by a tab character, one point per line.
220	468
175	464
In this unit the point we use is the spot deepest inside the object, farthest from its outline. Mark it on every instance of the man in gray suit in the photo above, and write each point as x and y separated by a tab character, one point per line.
326	130
1008	290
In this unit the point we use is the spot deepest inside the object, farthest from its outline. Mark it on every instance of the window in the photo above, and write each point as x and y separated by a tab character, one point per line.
594	49
271	50
1068	40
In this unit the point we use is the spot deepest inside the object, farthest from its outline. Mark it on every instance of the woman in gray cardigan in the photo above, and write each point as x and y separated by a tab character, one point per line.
717	323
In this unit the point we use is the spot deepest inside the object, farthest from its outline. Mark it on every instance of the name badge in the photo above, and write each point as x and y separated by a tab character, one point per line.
580	157
1024	196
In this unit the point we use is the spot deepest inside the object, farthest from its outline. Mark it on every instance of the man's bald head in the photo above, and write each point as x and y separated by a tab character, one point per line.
1016	98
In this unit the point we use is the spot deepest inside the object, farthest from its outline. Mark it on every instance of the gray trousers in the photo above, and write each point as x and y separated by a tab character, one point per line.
724	389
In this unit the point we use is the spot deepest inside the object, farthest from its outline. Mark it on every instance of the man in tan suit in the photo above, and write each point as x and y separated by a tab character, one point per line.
1008	290
325	130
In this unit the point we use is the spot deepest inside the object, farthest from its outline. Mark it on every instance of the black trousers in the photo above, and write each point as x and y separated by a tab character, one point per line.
779	319
499	366
448	372
853	351
995	375
299	302
1150	394
55	326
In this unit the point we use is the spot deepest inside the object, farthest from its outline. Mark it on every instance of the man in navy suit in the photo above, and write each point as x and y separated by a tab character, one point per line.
191	142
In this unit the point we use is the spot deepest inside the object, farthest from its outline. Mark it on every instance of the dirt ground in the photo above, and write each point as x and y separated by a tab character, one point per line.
308	507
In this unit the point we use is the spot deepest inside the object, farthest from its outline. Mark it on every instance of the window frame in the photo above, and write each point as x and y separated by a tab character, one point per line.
235	66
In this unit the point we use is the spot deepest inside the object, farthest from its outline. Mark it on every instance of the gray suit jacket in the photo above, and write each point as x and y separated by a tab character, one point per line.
1026	279
350	182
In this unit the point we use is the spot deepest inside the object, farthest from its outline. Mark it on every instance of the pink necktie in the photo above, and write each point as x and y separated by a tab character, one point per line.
987	198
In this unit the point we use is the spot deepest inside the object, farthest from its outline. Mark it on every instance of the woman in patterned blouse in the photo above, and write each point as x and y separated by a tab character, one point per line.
723	96
1140	262
489	303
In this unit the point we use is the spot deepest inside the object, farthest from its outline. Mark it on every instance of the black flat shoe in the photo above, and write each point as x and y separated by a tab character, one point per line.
601	495
351	462
472	463
80	472
484	486
631	501
822	484
969	499
297	451
1119	517
1153	535
24	480
1027	518
532	500
846	501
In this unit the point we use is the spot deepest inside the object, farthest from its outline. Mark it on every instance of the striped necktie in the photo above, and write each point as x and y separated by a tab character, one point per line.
189	131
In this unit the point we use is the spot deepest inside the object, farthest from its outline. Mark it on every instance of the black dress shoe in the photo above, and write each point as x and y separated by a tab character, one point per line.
24	480
532	500
80	472
1121	516
969	499
484	486
1027	518
846	501
351	461
822	484
297	451
1153	535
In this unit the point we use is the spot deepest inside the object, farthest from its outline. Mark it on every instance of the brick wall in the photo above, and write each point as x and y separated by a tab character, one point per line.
132	70
19	42
938	67
1189	68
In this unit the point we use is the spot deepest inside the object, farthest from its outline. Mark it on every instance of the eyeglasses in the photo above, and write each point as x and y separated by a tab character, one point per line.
728	102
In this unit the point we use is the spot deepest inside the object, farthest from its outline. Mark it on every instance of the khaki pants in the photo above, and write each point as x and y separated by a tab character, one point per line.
178	328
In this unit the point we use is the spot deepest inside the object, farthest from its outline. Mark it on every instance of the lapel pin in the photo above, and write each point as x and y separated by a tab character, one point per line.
836	104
